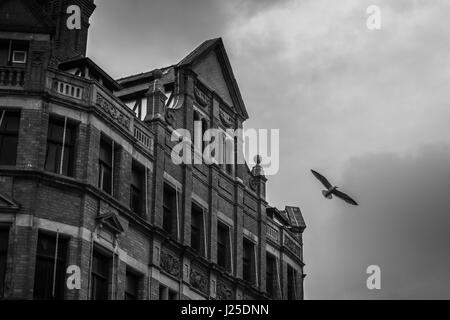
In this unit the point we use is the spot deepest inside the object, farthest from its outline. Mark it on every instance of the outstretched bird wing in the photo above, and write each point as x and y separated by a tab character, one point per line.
345	197
322	179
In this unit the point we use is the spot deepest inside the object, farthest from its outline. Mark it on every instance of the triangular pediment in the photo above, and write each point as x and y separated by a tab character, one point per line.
23	16
111	222
211	64
7	204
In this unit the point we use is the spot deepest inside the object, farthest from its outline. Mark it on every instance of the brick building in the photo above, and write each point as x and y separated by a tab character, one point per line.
88	187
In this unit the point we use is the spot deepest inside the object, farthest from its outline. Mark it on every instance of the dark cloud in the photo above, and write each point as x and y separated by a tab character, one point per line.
402	225
337	91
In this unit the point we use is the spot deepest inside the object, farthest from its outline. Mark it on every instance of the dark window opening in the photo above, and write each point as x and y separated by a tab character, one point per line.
13	52
99	276
271	277
47	284
9	133
4	235
137	188
105	180
248	261
132	286
223	246
60	148
197	234
170	210
291	285
167	294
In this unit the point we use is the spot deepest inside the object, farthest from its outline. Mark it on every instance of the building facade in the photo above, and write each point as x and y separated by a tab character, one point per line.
92	205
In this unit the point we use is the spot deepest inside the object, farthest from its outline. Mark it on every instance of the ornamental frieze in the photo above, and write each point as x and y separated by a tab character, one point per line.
226	120
291	245
199	280
113	111
224	292
201	98
170	263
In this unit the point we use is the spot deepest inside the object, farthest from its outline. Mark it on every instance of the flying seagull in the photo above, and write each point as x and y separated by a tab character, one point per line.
332	190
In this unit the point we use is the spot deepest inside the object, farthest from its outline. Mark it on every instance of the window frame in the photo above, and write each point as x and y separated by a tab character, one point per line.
228	264
138	191
46	260
63	146
3	259
103	166
11	134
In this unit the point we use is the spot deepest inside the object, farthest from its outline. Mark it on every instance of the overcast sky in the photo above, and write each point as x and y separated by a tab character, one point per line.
369	109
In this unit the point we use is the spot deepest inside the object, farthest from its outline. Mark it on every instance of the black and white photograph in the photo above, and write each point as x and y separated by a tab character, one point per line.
248	151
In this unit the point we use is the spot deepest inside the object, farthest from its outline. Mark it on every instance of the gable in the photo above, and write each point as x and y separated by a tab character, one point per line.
210	62
19	15
210	72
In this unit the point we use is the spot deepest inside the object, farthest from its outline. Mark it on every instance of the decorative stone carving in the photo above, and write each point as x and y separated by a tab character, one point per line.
199	280
223	291
170	117
113	111
170	264
226	120
292	245
201	98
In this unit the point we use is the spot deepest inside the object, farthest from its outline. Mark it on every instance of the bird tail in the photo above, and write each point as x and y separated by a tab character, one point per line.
327	195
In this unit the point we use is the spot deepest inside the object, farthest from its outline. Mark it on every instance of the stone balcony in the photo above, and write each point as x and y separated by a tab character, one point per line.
12	78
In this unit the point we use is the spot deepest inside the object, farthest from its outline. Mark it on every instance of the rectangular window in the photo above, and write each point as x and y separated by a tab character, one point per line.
132	286
18	52
271	277
4	235
291	285
248	260
167	294
223	246
99	276
170	210
60	147
49	256
19	56
105	180
9	134
137	188
197	236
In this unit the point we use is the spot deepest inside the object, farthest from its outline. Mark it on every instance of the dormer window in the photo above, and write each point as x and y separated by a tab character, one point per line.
19	56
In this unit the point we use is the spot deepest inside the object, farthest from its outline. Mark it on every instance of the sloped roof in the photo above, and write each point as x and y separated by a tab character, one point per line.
201	52
85	61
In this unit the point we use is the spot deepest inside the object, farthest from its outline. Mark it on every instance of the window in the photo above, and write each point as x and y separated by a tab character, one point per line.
18	52
49	255
9	133
105	180
223	246
170	210
291	285
136	188
271	277
167	294
227	153
4	234
60	147
197	234
19	56
132	286
99	276
248	260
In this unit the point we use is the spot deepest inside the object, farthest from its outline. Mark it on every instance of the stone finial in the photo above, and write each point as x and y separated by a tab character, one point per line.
258	169
156	98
